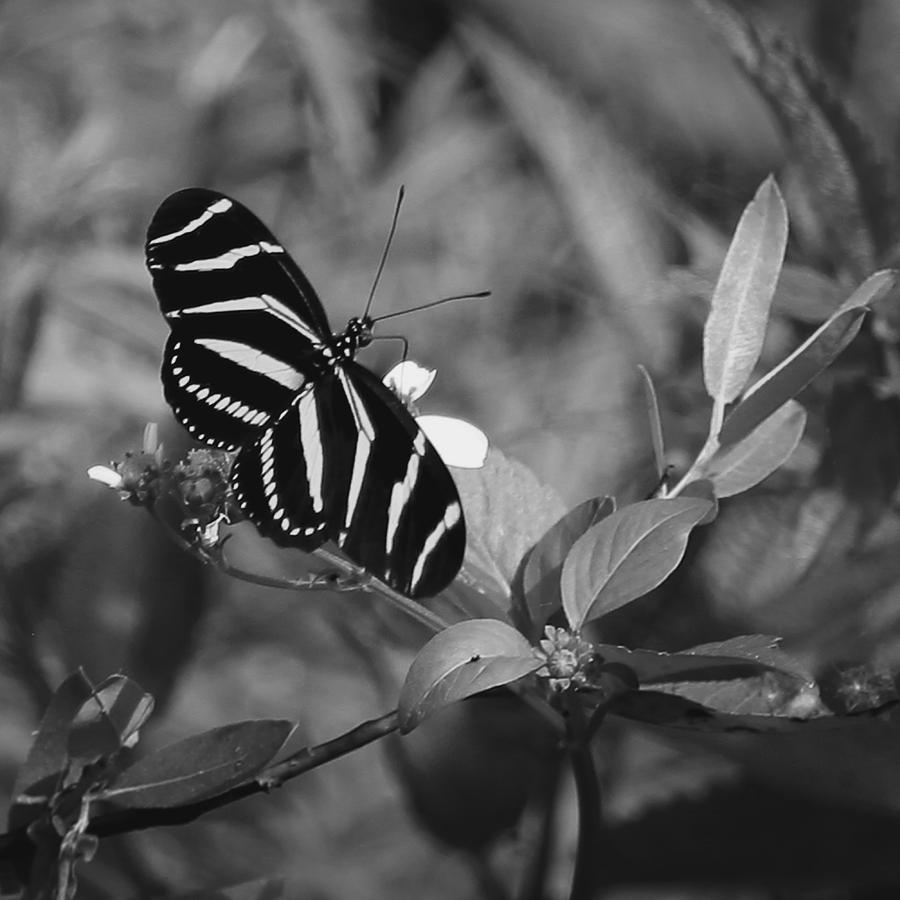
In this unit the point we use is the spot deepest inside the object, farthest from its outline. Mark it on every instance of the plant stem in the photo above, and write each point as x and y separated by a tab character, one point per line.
587	790
15	844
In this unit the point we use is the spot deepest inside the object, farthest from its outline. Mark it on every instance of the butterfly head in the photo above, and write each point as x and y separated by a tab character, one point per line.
356	335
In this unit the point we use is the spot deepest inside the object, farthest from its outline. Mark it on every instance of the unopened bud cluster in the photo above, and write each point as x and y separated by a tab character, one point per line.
569	660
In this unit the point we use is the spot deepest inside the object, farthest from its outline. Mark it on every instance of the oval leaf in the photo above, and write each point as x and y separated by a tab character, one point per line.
626	555
786	380
654	666
770	444
540	578
736	327
463	660
200	766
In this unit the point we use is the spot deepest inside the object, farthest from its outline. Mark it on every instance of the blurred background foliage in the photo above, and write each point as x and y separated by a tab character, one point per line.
586	160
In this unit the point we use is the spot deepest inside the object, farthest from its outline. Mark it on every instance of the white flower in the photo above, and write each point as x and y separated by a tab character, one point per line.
459	443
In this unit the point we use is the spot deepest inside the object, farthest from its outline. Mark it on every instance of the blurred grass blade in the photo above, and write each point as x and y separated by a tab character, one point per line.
736	327
742	465
851	192
656	433
786	380
594	180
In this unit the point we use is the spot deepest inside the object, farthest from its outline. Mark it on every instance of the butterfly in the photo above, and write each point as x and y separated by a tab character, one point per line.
325	451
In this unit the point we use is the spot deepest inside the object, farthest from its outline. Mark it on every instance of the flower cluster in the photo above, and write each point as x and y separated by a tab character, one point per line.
569	660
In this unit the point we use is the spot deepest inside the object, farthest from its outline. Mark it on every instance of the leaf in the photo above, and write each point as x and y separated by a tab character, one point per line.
788	378
656	433
771	443
463	660
543	567
200	766
507	512
654	667
736	327
109	719
48	757
626	555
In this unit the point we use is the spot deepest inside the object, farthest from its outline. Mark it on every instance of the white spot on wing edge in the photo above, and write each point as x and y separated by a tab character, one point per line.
219	206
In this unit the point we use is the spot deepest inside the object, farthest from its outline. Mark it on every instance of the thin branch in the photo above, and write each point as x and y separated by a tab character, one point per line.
15	843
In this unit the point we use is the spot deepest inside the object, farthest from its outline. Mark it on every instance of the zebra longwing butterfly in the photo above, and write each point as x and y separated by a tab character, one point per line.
324	450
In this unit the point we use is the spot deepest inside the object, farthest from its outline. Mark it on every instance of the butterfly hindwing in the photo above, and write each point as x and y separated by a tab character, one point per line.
348	463
404	522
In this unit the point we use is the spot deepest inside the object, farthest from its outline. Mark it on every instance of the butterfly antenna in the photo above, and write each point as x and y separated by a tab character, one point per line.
387	247
404	312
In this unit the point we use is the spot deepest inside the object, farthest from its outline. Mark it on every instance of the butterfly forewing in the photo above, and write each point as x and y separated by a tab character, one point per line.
325	450
246	325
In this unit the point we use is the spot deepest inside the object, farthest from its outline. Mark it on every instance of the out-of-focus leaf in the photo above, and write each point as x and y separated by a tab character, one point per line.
200	766
736	327
109	719
471	768
715	662
463	660
864	446
507	512
48	755
540	578
744	464
806	295
656	433
626	555
788	378
258	889
760	548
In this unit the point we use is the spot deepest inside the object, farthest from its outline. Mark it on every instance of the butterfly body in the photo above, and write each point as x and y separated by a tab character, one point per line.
324	450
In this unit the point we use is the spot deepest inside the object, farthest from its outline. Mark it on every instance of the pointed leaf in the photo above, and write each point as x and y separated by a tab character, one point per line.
463	660
540	578
48	756
656	433
787	379
626	555
655	667
742	465
736	327
200	766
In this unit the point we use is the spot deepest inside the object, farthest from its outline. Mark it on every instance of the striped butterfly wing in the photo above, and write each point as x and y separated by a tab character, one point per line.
348	463
325	450
247	326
